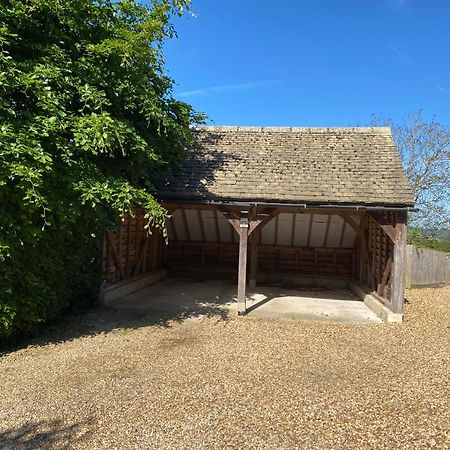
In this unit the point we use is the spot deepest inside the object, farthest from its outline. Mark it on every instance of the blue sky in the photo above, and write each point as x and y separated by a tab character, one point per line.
313	63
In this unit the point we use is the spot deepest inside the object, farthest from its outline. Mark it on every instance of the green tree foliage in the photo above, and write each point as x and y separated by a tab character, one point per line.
418	237
87	121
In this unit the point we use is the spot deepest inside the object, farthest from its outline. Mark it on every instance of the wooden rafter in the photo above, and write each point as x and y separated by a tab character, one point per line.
216	223
294	215
341	239
351	222
276	229
311	219
325	240
202	226
185	222
262	220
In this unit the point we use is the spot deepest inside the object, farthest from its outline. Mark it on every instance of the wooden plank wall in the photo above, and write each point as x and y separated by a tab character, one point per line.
188	256
130	251
372	267
298	242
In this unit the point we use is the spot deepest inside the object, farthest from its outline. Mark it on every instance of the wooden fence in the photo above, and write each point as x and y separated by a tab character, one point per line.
426	267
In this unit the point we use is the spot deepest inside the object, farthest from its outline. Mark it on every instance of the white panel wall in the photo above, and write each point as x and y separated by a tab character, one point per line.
226	231
268	233
178	224
193	223
334	233
268	237
285	229
209	225
318	230
349	235
301	229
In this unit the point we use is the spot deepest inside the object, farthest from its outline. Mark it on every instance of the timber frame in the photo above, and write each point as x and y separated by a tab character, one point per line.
376	260
277	204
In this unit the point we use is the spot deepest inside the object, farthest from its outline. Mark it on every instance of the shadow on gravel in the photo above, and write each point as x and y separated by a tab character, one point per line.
52	434
103	319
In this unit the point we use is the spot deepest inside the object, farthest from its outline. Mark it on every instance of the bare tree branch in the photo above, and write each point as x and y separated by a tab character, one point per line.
424	148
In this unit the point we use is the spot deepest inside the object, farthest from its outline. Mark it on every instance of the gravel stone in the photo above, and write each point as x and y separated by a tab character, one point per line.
126	380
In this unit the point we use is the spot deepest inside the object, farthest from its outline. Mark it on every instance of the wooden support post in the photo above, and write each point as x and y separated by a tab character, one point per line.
253	259
398	265
245	227
253	248
242	272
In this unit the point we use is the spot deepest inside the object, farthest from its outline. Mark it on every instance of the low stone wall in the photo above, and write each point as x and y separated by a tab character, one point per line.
426	267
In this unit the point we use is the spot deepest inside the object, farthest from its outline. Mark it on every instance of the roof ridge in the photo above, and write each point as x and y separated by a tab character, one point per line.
288	129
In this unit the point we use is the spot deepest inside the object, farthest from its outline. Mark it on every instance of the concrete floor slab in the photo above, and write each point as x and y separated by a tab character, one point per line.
174	296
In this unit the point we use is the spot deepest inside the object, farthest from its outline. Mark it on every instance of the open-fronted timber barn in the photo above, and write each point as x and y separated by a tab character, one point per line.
307	206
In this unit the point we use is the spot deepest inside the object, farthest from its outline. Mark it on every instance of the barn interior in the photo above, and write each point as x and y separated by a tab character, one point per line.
315	250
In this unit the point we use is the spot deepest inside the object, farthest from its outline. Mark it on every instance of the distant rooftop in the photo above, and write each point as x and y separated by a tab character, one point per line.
358	165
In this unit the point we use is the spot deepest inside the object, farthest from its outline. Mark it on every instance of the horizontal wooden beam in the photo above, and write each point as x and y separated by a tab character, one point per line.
281	248
261	209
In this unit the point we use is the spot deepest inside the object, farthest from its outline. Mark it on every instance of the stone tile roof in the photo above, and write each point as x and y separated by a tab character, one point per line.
292	165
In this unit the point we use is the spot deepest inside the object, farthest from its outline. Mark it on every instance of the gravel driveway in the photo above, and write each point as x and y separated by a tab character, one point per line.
122	379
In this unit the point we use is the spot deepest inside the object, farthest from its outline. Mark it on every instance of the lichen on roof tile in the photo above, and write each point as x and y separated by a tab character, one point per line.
358	165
